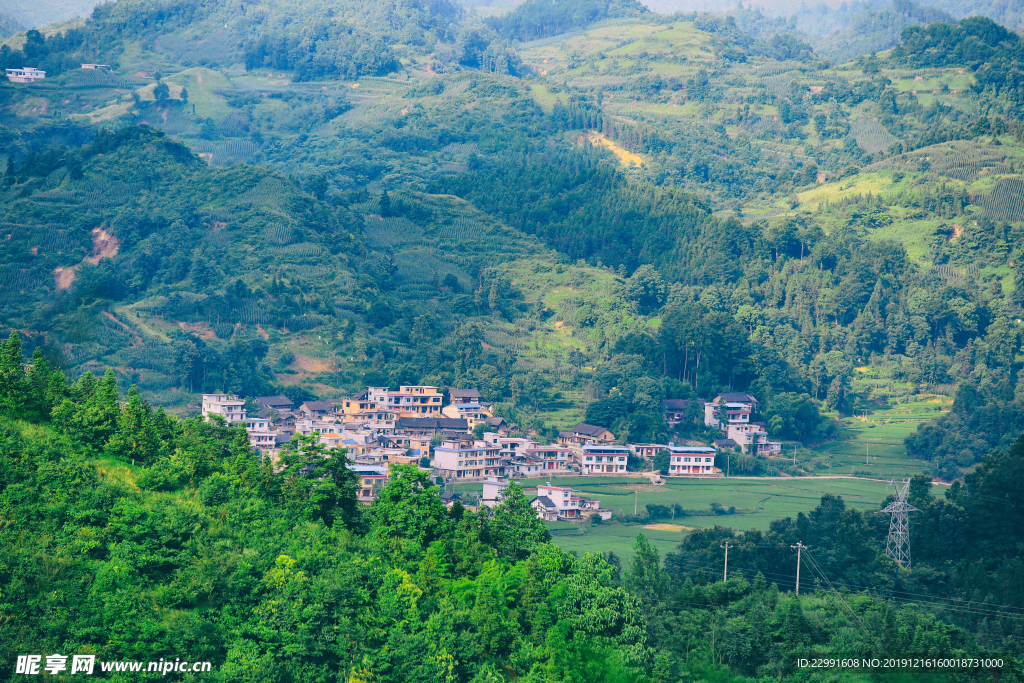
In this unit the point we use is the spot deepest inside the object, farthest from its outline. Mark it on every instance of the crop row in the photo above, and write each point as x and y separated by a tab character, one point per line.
390	231
300	250
268	192
871	136
1006	202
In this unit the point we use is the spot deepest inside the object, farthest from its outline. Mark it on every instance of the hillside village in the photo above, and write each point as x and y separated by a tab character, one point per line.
455	436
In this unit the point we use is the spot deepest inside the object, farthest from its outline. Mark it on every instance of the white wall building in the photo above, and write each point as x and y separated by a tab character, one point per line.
597	459
228	406
691	460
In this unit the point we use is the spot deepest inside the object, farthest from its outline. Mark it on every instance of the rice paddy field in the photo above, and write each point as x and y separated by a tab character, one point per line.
756	502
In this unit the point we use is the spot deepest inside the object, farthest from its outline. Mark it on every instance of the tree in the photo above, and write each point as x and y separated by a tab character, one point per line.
318	482
408	515
645	578
12	376
516	529
37	383
662	460
134	440
92	417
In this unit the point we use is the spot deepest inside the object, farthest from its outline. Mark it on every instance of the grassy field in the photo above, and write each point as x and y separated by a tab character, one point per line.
756	503
872	443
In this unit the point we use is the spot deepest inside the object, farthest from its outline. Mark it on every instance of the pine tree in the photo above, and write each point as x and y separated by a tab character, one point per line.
37	405
97	418
56	391
134	439
12	377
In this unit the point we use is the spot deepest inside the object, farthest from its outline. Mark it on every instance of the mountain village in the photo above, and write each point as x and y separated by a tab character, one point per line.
457	438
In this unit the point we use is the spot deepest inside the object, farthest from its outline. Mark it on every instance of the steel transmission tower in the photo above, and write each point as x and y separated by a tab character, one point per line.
898	544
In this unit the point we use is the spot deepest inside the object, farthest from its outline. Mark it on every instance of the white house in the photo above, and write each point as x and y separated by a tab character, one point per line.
26	75
691	460
558	504
468	459
228	406
261	436
494	491
601	459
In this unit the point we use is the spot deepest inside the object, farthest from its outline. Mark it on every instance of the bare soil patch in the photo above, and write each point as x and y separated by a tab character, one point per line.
104	245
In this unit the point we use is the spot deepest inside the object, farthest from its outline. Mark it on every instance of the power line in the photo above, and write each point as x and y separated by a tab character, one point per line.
915	599
814	565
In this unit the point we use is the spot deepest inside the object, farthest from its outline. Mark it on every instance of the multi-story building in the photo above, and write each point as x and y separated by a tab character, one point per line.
691	460
752	437
738	407
527	465
228	406
463	396
552	458
261	435
414	401
417	444
26	75
494	490
371	480
473	413
468	459
602	459
556	503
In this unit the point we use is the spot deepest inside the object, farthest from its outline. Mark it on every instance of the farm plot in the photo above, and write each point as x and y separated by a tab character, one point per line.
871	136
390	231
756	504
1006	201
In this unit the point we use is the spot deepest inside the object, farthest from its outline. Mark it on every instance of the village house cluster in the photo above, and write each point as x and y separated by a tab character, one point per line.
439	432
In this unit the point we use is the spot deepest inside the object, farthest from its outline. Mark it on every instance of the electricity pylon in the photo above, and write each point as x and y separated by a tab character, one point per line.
897	546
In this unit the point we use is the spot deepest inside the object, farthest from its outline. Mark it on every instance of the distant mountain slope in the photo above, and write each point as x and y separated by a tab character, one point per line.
132	253
44	12
535	19
9	25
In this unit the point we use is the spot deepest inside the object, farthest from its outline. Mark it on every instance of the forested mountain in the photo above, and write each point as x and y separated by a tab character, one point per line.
535	19
841	217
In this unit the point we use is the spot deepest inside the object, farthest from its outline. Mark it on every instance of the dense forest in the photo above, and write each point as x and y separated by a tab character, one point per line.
278	574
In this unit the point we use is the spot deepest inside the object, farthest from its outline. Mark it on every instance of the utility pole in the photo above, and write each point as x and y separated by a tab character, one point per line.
725	575
799	546
897	545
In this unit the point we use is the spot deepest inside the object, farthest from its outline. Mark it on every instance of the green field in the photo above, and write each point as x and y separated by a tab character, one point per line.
872	444
757	502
